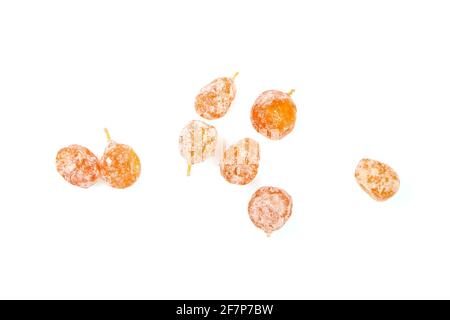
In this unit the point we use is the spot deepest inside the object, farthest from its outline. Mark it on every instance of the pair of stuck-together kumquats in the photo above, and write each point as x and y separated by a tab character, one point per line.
119	166
273	115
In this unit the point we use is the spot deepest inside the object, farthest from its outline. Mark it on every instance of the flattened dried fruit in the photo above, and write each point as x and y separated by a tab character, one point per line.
270	208
78	165
215	98
240	162
377	179
120	165
274	114
197	142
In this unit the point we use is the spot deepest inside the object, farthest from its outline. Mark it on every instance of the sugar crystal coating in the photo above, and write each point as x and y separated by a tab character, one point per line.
197	142
215	98
274	114
377	179
78	165
120	165
240	162
270	208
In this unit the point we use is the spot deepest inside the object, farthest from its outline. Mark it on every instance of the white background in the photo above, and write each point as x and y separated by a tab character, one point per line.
372	80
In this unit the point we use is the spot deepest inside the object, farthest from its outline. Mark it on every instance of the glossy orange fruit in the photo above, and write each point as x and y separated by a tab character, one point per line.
274	114
120	166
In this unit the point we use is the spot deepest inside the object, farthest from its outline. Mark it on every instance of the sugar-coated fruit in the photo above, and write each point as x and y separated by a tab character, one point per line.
240	162
377	179
197	142
215	98
120	166
78	165
270	208
274	114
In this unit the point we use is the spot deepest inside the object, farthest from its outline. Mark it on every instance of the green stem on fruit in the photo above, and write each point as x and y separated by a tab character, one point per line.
235	75
189	169
291	92
108	136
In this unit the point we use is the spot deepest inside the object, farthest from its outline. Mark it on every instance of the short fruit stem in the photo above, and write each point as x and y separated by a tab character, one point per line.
235	75
189	169
291	92
108	136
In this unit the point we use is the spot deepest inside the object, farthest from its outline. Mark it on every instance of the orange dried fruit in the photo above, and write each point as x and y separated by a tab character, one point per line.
240	162
78	165
215	98
274	114
378	179
120	166
270	208
197	142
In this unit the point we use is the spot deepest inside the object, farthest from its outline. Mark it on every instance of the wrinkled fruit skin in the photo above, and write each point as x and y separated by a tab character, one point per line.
240	162
78	165
197	141
215	98
274	114
379	180
270	208
120	165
